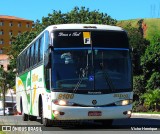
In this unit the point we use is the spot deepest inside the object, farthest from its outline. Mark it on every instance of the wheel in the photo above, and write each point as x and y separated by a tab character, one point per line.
32	118
44	121
24	116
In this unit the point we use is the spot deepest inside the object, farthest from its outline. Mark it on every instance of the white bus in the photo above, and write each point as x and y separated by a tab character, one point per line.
75	72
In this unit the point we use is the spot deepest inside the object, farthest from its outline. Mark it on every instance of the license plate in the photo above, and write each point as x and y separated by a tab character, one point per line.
94	113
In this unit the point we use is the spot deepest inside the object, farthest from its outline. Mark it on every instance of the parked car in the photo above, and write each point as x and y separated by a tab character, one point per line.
6	111
10	110
15	112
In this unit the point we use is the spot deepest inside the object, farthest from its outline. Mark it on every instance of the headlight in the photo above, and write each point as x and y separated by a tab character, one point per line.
63	103
123	102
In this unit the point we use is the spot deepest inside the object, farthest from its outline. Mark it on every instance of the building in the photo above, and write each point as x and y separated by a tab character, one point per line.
4	61
10	26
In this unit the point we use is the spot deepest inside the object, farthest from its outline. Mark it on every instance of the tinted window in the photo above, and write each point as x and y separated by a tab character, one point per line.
36	51
40	49
32	55
109	39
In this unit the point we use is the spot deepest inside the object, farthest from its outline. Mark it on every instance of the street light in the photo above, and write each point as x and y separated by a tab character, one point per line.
4	97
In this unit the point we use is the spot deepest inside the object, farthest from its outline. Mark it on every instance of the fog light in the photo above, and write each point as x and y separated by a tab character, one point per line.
127	112
58	113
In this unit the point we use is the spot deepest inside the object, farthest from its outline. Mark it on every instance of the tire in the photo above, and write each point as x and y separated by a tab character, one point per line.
24	116
44	121
32	118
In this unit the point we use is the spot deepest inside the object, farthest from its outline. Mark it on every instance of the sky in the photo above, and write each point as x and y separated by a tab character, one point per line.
117	9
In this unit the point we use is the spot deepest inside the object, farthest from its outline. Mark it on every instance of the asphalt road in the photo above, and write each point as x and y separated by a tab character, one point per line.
135	123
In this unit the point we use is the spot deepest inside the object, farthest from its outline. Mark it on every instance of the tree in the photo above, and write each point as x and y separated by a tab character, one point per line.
139	45
150	60
77	15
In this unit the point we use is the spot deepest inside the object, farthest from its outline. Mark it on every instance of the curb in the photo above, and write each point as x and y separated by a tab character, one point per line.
149	115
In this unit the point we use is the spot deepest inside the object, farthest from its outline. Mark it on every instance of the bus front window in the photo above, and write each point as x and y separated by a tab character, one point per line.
112	68
71	69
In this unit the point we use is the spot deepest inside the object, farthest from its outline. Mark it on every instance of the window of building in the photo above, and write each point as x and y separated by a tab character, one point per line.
19	24
27	25
11	24
1	51
1	23
10	33
1	32
1	41
10	42
19	32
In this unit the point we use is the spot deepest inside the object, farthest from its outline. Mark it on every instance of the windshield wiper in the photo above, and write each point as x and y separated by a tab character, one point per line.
81	78
107	78
83	73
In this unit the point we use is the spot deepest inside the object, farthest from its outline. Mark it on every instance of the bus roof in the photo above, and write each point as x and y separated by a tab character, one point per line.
84	26
76	26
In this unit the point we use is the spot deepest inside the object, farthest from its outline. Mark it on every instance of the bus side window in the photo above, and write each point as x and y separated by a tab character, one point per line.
32	55
30	61
46	58
18	65
28	58
25	57
40	49
36	51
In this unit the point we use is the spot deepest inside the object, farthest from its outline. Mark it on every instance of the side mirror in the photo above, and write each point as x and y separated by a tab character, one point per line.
131	49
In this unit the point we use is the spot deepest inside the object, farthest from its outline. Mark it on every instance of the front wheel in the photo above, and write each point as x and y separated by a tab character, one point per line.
44	121
32	118
24	116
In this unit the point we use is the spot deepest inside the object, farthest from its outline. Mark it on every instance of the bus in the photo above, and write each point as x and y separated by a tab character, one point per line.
75	72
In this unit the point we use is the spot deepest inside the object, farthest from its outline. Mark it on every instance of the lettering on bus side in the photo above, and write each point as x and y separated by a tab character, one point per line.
34	78
65	96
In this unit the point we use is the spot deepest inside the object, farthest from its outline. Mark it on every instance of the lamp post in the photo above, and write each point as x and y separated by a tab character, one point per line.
3	85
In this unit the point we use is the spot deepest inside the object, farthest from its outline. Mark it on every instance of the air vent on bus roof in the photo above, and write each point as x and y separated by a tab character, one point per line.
89	27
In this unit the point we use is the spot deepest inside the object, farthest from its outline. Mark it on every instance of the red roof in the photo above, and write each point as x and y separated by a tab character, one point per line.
12	18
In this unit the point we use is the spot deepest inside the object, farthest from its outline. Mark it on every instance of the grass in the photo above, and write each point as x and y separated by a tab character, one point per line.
153	27
148	112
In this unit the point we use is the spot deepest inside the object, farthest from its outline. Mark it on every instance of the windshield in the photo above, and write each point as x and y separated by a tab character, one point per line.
71	67
80	69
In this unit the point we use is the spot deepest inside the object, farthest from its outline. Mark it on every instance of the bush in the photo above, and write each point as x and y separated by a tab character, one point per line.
138	85
154	81
137	107
152	99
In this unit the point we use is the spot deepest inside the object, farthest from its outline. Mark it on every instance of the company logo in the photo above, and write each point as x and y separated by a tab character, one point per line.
94	102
